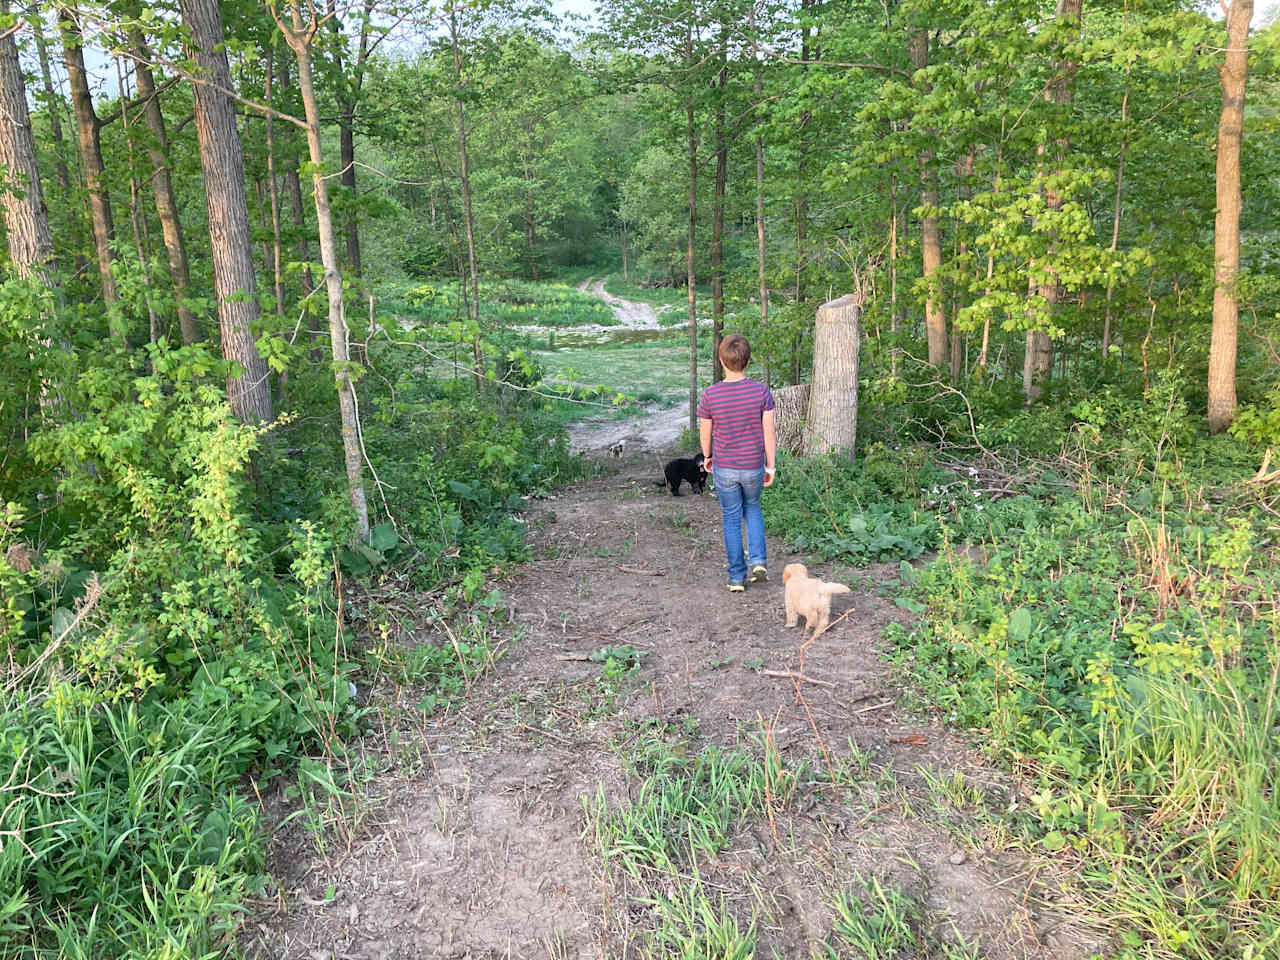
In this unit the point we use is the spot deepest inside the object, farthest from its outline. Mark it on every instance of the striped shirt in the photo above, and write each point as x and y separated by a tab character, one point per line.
735	408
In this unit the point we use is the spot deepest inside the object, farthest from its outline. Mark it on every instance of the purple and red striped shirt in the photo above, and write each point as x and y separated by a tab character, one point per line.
735	409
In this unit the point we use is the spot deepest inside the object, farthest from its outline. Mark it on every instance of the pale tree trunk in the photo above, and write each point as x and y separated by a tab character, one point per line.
895	351
1115	220
959	348
832	423
689	258
222	162
464	172
760	247
26	221
293	187
935	320
162	187
87	126
717	221
299	39
1226	227
277	257
1037	366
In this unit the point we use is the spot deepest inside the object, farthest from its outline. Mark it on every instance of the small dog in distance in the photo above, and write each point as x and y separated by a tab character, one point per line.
808	597
684	469
615	451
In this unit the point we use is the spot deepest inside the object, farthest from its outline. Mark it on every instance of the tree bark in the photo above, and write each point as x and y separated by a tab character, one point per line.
222	162
162	187
90	153
935	320
26	220
348	96
1226	227
717	220
141	242
54	105
760	246
689	257
464	172
277	256
832	423
299	40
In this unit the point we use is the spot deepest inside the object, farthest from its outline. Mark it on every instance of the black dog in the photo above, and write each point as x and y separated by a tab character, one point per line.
684	468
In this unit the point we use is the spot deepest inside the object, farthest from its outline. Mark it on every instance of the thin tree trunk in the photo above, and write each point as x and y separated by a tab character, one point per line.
964	171
895	351
293	189
277	258
1038	363
935	320
467	218
139	230
87	126
162	187
222	161
689	256
299	40
717	220
348	97
760	245
1226	227
54	105
26	220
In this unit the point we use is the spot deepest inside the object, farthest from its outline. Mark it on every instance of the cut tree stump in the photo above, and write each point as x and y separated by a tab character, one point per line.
832	423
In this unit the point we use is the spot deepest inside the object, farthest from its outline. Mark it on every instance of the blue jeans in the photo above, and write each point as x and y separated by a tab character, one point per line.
739	494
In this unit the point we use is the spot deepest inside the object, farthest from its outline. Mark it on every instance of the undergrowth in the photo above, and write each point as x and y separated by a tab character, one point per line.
1108	622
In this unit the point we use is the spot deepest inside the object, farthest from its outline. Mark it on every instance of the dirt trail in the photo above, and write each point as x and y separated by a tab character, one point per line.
476	845
633	314
659	427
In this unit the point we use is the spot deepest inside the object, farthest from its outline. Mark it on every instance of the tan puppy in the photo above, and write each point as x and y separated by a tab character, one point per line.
808	597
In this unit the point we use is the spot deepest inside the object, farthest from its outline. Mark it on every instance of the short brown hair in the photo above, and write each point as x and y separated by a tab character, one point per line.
735	352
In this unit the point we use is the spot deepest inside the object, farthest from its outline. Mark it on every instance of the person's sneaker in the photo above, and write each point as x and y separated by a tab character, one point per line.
737	587
759	574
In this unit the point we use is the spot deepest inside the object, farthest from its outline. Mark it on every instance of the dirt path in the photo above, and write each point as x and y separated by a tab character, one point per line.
633	314
475	841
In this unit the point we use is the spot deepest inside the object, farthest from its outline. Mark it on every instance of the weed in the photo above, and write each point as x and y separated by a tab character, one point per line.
877	920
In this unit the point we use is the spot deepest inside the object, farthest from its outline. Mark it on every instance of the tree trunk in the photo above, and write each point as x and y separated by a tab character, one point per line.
689	257
293	187
832	424
895	351
277	257
760	247
468	220
1226	226
300	42
348	96
717	222
54	105
222	162
935	320
162	186
141	242
1038	363
26	221
90	154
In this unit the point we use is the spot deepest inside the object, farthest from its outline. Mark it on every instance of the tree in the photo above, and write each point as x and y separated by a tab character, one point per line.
1226	226
162	186
299	36
222	162
87	127
26	221
935	320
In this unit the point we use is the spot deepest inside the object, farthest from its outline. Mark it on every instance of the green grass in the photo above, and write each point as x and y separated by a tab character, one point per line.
503	303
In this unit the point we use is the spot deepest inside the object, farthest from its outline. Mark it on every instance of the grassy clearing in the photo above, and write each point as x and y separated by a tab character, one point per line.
503	303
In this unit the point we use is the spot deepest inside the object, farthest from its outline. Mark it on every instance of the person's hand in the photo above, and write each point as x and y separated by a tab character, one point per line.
706	465
769	474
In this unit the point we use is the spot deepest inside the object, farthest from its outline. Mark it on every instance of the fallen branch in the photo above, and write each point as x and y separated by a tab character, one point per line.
789	675
641	572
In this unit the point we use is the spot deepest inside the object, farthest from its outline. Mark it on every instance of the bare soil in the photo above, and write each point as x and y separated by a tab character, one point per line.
472	841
